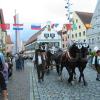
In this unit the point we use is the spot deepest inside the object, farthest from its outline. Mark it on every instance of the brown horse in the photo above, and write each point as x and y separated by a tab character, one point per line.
76	57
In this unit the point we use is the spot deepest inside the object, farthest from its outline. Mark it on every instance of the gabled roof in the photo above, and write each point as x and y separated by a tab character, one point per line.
85	17
34	37
2	18
8	39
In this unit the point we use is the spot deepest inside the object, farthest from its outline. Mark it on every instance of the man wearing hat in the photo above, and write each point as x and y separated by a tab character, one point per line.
37	59
96	63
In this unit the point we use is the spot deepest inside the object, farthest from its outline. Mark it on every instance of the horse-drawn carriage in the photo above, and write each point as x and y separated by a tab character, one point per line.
75	56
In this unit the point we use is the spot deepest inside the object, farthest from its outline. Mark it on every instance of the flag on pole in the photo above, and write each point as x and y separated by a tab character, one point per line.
17	26
36	27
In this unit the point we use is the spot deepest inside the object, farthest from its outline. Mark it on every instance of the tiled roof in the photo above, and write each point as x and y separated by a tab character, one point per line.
85	17
34	37
8	40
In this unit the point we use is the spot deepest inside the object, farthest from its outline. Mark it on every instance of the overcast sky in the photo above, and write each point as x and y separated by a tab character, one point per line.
42	10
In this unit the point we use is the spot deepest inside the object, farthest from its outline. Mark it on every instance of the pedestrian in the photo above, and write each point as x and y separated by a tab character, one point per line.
21	61
16	61
38	62
96	63
3	84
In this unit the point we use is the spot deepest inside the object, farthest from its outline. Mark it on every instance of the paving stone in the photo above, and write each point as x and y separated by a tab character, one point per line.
54	89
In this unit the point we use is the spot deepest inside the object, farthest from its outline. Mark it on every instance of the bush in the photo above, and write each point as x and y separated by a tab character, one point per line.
93	53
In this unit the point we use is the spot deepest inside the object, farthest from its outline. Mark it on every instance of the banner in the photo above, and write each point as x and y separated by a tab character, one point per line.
69	26
17	26
74	26
36	27
5	26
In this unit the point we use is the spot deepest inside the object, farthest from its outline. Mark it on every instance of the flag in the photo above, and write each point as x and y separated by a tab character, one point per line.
88	26
56	25
5	26
36	27
68	26
52	25
17	26
74	26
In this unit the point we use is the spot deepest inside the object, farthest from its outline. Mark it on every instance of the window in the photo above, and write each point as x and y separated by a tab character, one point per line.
56	44
68	36
79	34
89	41
46	35
76	35
52	35
83	33
76	20
79	27
63	45
93	40
98	38
72	35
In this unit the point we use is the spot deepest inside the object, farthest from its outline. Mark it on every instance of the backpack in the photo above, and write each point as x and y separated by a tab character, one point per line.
1	65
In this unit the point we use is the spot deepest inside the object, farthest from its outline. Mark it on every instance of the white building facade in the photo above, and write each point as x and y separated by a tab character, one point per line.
93	34
50	38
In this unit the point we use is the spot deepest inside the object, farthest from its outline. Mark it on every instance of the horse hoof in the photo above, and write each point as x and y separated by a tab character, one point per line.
60	78
72	83
85	84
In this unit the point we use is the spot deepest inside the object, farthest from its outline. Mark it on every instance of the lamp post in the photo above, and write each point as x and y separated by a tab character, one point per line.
69	18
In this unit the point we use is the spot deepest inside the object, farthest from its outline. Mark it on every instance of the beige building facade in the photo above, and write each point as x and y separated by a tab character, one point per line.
80	24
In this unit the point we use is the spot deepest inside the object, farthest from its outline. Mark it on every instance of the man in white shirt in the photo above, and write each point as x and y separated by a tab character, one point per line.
37	59
96	63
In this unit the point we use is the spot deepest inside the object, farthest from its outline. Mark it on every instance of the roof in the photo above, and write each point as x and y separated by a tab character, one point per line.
8	39
85	17
2	18
34	37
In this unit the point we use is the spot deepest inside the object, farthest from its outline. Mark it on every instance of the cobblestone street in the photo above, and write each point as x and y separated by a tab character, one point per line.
54	89
24	86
